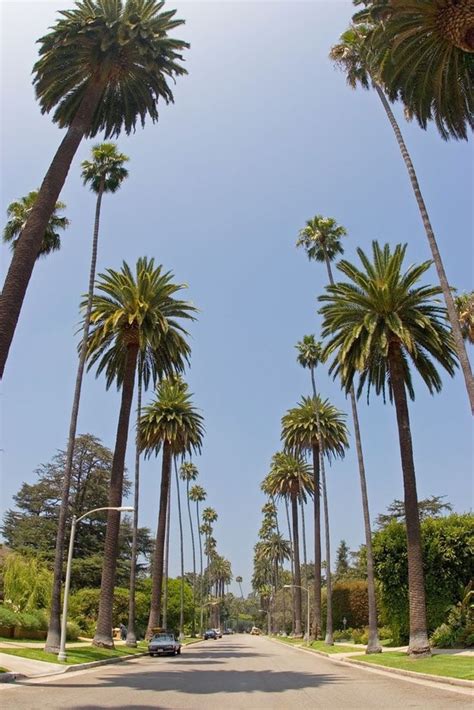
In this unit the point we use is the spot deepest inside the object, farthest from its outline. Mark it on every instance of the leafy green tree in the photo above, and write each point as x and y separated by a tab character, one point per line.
104	173
353	57
321	239
171	424
26	582
448	562
431	507
102	67
18	213
290	478
313	425
132	314
342	560
377	323
424	52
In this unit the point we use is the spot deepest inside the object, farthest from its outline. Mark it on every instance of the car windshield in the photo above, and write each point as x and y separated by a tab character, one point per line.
163	637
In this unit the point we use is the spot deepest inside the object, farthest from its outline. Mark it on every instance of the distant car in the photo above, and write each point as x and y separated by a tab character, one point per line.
255	631
227	632
164	644
218	633
210	634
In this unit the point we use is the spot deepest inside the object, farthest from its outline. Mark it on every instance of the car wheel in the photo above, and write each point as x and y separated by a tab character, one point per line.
178	652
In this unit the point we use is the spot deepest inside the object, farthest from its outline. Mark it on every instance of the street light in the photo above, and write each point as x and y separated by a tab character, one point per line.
62	645
289	586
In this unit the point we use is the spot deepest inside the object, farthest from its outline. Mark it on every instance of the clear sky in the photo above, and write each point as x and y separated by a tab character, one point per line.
264	133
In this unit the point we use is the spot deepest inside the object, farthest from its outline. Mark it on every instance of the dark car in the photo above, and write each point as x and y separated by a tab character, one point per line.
164	644
210	634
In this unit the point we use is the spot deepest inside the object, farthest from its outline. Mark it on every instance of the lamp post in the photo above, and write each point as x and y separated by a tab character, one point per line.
289	586
62	646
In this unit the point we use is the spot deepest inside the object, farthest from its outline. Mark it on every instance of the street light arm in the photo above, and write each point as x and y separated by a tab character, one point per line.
96	510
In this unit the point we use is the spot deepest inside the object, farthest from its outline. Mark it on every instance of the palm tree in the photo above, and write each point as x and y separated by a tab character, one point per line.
197	494
319	233
209	516
132	314
378	324
290	478
424	51
181	548
131	635
171	424
188	472
166	560
465	310
239	581
352	56
312	425
104	173
18	213
105	78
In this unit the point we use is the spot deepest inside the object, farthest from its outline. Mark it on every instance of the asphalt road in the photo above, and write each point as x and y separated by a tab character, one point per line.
233	672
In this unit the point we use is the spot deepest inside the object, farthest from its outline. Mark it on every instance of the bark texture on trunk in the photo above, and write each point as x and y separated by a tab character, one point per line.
29	244
317	543
328	638
201	571
166	564
296	545
181	549
103	634
373	645
158	555
418	645
448	296
292	566
191	527
54	628
131	635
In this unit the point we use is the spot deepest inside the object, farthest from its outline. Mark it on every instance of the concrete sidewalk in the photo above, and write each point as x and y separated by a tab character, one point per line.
28	666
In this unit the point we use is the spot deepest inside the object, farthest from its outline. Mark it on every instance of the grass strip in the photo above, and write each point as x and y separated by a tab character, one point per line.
319	645
449	666
74	655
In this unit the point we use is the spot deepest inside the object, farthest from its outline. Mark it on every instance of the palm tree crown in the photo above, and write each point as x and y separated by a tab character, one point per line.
197	494
138	308
106	170
381	308
120	48
289	477
321	238
309	352
465	308
188	472
300	427
19	211
424	52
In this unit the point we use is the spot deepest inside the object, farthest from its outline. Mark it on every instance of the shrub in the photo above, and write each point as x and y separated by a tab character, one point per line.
459	627
342	635
7	616
73	631
350	600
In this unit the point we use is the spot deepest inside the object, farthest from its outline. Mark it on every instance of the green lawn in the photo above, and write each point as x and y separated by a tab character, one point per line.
3	670
74	655
443	665
319	645
40	643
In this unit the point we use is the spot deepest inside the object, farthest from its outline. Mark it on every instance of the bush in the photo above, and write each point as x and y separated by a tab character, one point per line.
350	600
73	631
459	627
7	616
342	635
32	621
384	633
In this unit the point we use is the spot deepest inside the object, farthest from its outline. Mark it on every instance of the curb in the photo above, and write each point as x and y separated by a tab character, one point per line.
105	662
9	677
459	682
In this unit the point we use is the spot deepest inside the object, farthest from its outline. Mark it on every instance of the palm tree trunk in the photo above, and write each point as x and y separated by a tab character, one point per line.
29	244
158	554
54	628
303	533
328	638
201	610
373	645
418	645
292	566
181	544
317	542
294	515
166	560
103	634
448	296
131	635
193	622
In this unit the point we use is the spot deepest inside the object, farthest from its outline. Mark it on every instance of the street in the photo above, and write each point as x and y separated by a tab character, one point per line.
239	671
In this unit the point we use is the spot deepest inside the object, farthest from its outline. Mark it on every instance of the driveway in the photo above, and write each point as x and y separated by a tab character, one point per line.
233	672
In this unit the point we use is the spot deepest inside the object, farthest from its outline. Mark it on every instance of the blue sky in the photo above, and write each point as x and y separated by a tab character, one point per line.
264	133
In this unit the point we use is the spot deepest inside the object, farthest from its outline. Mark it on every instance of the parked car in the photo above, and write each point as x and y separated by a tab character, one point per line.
227	632
164	644
255	631
218	633
210	634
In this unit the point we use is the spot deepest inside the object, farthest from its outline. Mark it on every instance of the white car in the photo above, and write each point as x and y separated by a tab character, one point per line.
218	633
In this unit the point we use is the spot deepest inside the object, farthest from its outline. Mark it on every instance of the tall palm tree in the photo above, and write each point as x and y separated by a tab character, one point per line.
465	310
425	54
104	79
378	324
209	516
290	478
18	213
172	425
239	581
104	173
319	234
166	561
131	639
181	549
312	425
188	472
197	494
352	55
132	314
